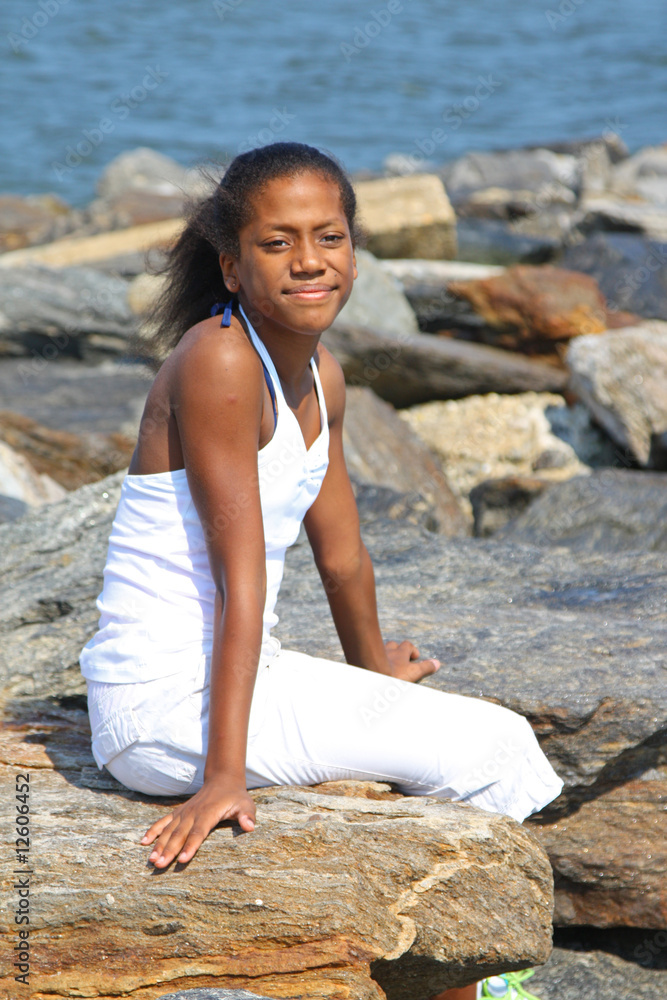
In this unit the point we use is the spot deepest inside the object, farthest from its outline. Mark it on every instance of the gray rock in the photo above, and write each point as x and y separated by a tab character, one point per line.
609	511
539	171
615	214
643	175
71	396
70	311
11	508
382	451
578	974
621	377
496	502
495	241
377	301
381	502
409	369
144	169
212	995
629	269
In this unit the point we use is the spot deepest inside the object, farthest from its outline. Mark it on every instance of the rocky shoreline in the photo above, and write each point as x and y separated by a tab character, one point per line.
505	349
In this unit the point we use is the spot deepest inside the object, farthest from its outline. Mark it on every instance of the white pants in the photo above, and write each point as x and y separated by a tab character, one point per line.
316	720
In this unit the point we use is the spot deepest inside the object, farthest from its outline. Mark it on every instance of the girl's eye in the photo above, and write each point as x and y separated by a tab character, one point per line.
275	242
333	237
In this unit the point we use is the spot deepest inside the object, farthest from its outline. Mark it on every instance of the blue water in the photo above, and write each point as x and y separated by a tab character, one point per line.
236	73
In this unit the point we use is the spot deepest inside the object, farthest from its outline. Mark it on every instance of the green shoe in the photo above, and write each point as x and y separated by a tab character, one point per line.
507	987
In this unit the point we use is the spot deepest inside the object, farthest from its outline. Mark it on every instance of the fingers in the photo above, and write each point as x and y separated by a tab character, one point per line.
169	844
156	829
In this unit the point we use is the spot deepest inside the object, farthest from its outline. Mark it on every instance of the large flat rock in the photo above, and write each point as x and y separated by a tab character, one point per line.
335	891
575	641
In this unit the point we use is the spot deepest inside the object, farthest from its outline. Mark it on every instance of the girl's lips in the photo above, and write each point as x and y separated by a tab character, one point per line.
314	293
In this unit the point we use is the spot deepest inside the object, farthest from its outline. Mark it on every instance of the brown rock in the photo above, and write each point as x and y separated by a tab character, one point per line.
534	308
332	893
619	879
70	459
381	449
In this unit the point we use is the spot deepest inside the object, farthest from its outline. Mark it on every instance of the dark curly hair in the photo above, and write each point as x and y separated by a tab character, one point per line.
192	267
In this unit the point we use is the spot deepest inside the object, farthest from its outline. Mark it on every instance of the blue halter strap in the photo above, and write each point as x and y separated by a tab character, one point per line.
226	321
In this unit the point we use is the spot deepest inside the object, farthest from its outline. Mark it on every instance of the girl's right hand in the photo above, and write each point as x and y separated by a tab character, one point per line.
182	831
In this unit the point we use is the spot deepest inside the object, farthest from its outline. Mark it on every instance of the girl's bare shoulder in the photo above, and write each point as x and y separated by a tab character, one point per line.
209	356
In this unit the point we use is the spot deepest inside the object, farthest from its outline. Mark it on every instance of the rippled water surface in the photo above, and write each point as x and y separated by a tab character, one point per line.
197	79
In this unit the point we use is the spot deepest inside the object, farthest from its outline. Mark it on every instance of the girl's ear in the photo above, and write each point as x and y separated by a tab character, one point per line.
229	275
354	265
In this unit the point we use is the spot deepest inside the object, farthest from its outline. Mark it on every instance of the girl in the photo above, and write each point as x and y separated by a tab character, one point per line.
241	440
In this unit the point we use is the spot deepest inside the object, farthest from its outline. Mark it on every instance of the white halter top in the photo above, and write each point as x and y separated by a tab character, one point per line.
157	601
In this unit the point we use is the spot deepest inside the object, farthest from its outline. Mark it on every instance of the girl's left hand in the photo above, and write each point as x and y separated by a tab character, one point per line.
405	663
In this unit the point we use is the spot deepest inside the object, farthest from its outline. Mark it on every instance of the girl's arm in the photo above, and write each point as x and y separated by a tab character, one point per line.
218	403
332	525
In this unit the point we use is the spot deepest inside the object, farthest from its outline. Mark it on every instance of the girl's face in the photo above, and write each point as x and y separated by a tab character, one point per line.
296	263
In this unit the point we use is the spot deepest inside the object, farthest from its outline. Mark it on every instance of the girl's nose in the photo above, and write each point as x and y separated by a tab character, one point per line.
308	259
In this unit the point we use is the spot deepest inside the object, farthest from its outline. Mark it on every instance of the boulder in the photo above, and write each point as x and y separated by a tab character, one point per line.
616	214
51	312
382	451
69	459
535	308
21	482
643	175
619	879
35	219
105	398
495	502
146	171
99	248
410	369
629	269
494	436
610	510
407	217
344	890
426	285
529	173
622	379
597	968
504	242
573	640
